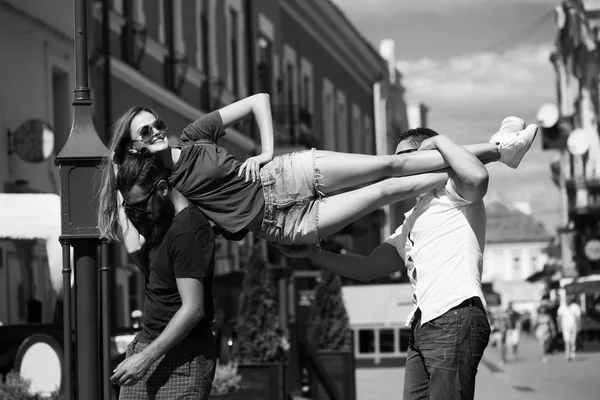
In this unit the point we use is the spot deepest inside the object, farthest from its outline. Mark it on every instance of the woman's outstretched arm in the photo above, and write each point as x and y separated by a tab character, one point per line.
258	105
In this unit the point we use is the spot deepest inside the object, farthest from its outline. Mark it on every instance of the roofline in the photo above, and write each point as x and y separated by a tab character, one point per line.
361	37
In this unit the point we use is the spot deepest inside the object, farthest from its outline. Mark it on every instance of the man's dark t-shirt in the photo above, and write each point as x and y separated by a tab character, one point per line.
207	175
186	251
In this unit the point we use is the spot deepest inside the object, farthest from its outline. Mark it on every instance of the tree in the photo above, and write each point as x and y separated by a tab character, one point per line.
330	326
259	334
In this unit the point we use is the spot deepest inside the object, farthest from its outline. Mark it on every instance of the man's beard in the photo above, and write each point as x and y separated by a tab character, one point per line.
154	230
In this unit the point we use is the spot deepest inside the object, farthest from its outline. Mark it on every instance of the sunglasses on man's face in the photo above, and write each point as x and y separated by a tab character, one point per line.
140	208
406	151
147	131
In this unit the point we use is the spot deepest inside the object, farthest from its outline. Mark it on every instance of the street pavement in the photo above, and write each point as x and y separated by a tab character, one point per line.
523	378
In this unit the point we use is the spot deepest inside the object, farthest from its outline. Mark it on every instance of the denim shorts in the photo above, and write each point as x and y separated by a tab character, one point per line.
291	188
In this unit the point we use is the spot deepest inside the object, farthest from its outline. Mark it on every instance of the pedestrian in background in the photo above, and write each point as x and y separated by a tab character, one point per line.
545	330
569	315
513	332
501	332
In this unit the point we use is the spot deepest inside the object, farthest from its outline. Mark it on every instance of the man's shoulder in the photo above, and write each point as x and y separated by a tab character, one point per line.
190	220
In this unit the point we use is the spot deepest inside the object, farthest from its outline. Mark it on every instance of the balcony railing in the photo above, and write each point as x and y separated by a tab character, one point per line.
292	125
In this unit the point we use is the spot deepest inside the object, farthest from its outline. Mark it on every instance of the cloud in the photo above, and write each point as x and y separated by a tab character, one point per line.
469	95
379	7
524	72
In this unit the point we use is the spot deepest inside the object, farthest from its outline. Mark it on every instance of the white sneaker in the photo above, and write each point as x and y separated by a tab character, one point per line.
508	125
514	145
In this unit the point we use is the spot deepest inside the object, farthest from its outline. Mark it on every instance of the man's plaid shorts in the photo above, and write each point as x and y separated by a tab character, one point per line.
185	372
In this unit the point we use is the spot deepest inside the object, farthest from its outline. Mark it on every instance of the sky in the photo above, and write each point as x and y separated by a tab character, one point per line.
472	63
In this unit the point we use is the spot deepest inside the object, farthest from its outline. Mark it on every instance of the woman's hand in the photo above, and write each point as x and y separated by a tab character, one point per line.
252	166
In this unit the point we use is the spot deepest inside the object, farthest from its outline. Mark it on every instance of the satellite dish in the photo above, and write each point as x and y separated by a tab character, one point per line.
578	142
548	115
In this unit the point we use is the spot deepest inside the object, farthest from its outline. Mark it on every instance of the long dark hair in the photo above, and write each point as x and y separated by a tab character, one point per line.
118	150
142	169
145	170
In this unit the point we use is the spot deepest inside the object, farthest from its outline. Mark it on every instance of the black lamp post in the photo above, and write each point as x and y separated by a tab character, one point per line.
79	162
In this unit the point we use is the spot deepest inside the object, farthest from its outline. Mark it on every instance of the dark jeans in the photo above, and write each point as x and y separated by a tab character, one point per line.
444	353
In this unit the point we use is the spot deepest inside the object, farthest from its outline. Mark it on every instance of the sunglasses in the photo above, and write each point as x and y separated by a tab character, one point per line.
406	151
147	131
140	208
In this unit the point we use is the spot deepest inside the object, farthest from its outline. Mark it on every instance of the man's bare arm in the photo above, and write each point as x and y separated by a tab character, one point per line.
383	261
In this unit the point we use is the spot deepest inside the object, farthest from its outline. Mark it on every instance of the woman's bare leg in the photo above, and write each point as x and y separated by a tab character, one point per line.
335	212
346	170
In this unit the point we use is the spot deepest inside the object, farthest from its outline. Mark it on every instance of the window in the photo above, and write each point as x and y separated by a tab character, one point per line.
305	92
133	32
328	115
341	119
354	142
204	39
23	285
290	96
233	51
368	136
154	11
386	340
265	67
204	57
169	29
366	341
516	264
305	109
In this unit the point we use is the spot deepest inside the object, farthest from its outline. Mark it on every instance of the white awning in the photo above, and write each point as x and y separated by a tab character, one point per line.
34	216
378	305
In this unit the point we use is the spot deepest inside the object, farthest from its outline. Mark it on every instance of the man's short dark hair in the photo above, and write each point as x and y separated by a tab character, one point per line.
141	169
417	135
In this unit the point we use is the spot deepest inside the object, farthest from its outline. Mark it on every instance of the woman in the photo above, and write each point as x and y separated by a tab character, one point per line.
286	199
545	330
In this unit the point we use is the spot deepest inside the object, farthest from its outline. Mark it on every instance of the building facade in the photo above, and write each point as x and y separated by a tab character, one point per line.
184	59
516	248
572	127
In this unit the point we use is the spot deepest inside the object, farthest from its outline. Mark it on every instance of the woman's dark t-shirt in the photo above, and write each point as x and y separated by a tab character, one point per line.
186	251
207	175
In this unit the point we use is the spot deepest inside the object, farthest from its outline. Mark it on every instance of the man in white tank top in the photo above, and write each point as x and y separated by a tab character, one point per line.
441	243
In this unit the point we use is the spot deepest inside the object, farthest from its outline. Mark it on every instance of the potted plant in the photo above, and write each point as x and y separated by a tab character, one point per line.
227	383
15	387
331	336
259	348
